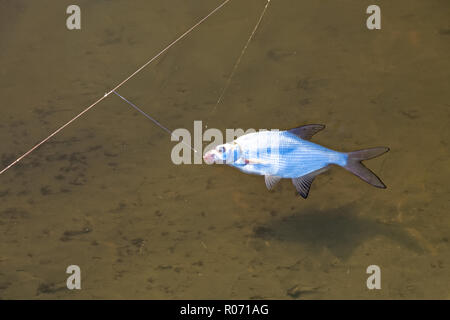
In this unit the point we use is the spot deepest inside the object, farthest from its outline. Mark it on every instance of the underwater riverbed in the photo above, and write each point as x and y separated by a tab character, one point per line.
104	194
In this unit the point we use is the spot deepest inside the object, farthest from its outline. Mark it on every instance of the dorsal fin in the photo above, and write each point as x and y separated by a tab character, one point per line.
306	132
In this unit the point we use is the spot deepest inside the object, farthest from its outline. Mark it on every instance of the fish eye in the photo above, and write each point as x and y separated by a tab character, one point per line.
221	149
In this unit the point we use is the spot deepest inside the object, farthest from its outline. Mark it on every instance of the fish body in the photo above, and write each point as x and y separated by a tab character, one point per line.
290	154
283	154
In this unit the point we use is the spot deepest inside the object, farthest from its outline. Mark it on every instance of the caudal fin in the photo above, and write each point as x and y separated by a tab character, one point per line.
355	166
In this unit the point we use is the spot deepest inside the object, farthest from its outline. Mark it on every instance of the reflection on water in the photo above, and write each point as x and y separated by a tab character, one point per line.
104	195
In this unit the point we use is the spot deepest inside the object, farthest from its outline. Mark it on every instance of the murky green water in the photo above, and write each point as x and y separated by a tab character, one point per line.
104	194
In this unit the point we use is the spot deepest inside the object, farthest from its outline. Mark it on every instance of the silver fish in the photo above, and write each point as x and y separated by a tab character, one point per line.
290	154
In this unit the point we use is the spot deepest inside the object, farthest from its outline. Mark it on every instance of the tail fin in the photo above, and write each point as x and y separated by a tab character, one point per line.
355	166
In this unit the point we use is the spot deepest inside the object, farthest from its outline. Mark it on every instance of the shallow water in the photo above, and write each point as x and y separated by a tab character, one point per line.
104	194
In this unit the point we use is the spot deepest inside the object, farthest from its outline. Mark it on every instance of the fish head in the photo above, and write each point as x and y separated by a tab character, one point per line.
223	153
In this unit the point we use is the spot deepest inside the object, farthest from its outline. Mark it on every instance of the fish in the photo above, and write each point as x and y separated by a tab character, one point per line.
290	154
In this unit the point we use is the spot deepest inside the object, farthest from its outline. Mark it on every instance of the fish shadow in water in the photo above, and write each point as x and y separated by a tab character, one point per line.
340	230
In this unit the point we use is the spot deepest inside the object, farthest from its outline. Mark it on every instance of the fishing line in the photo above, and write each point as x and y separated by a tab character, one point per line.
117	86
238	61
152	119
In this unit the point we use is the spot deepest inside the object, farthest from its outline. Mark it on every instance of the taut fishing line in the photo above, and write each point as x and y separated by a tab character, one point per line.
117	87
238	61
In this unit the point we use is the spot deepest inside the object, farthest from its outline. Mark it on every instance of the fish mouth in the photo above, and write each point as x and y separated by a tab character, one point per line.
209	158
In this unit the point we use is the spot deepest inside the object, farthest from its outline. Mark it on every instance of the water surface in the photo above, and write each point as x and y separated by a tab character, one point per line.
104	194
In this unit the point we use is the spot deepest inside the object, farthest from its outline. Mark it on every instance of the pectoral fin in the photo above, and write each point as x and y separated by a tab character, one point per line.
303	183
255	161
271	181
306	132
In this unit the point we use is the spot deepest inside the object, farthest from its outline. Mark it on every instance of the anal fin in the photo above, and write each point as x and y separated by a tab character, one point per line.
303	183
